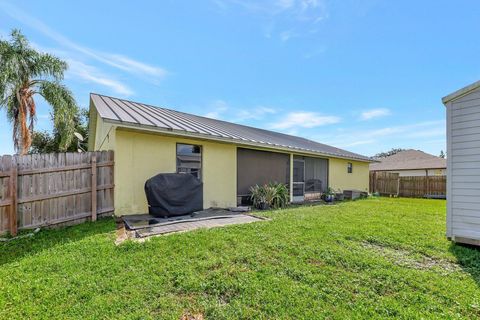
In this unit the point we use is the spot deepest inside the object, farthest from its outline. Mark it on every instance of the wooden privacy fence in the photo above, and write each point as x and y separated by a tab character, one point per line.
386	183
46	189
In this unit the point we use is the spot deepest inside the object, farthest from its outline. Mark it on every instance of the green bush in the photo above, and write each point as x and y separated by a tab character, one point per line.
272	195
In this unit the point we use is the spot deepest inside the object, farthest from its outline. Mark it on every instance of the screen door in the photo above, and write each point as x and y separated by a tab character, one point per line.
298	180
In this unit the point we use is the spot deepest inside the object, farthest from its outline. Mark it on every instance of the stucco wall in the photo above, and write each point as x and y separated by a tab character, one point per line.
101	134
139	156
339	178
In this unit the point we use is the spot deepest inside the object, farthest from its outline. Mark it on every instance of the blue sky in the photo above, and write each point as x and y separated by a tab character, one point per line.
365	75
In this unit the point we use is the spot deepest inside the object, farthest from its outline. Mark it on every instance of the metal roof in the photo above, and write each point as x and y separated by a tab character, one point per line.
409	160
161	119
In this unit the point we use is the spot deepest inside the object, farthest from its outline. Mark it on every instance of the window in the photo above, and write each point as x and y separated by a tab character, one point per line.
189	159
350	167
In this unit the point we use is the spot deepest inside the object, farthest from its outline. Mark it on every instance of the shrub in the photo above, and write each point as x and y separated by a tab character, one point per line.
272	195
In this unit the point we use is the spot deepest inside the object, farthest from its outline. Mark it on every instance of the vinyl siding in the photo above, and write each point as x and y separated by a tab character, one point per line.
463	187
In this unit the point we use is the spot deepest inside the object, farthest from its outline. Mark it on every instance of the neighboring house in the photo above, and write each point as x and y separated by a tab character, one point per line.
463	164
227	157
411	163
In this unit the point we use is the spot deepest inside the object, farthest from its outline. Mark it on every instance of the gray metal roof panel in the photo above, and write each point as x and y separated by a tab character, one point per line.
137	113
141	113
103	109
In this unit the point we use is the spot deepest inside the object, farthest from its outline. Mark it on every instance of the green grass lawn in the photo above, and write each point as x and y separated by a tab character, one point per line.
374	258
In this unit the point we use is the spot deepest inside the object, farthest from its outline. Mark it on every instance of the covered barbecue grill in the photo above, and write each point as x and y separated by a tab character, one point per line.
173	194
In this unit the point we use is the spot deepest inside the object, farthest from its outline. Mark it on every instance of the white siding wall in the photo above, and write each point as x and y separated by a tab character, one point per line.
463	167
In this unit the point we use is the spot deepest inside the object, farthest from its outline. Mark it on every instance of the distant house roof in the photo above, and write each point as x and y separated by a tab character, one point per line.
461	92
170	121
409	160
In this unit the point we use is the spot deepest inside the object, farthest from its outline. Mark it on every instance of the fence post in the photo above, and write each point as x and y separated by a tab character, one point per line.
94	187
13	197
398	186
427	182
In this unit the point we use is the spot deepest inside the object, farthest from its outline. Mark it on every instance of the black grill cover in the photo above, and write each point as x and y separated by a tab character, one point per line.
173	194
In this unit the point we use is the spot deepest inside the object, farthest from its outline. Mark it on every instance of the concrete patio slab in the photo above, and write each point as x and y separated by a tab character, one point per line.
144	225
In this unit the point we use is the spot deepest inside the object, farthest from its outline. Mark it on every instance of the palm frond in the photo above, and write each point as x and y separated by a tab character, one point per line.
25	72
48	65
17	61
64	109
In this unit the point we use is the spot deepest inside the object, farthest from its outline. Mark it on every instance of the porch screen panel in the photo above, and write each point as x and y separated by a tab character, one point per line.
316	173
260	167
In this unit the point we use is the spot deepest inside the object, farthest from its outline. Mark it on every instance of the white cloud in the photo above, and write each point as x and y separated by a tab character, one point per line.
421	127
89	73
257	113
285	4
293	17
114	60
357	143
410	134
287	35
219	108
315	52
375	113
80	70
134	66
417	128
304	120
429	132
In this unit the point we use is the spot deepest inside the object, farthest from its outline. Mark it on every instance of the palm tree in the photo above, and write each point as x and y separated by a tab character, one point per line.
24	74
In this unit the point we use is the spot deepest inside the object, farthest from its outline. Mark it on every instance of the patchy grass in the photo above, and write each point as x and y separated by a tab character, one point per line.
411	259
375	258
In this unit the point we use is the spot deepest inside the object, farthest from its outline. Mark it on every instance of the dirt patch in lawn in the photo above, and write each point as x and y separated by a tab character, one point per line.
192	316
409	259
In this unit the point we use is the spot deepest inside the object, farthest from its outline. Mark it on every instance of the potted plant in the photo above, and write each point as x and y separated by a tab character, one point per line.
258	197
271	195
281	195
329	195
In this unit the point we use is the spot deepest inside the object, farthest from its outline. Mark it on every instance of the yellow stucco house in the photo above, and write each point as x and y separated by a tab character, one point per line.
228	158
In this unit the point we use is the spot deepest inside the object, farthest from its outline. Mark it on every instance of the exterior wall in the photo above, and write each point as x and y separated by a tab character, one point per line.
139	156
437	172
103	136
92	128
339	178
463	167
